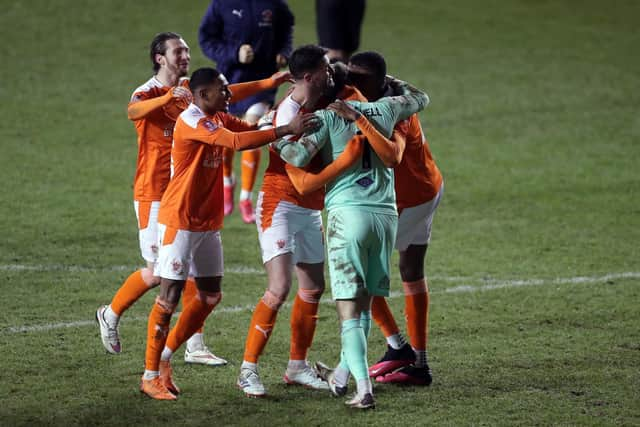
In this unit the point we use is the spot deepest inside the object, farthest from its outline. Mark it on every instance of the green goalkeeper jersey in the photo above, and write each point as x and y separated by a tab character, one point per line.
368	184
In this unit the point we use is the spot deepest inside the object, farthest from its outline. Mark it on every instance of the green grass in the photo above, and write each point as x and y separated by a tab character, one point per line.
534	123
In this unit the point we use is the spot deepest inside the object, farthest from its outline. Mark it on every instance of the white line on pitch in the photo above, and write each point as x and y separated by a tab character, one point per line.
488	286
236	269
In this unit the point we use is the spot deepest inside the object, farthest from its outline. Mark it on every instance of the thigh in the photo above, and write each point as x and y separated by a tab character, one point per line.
207	255
380	250
414	224
174	255
347	234
274	231
147	216
330	23
308	237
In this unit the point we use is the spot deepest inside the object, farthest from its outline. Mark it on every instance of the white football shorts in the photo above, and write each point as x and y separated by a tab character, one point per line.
188	253
147	216
414	223
293	229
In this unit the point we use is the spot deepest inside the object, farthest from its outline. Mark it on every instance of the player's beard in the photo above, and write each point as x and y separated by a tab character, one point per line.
179	70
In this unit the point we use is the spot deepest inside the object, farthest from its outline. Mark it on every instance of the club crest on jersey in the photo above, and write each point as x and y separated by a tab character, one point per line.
280	243
209	125
364	182
267	18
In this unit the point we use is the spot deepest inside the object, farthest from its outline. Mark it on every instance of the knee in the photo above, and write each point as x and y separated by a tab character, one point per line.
279	287
209	298
311	296
273	300
149	279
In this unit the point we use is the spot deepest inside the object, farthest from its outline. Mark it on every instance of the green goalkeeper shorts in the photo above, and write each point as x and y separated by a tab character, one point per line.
359	246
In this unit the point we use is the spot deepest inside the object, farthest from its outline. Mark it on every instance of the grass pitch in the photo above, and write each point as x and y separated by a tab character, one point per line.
533	265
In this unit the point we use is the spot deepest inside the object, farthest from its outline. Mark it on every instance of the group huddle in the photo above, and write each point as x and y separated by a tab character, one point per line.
347	138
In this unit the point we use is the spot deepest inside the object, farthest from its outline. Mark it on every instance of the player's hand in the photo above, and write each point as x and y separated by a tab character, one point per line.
281	60
344	110
282	77
245	54
302	123
394	84
266	121
181	93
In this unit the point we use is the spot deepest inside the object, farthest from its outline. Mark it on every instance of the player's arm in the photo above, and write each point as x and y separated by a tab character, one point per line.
409	100
209	133
211	37
240	91
139	109
299	152
390	152
306	182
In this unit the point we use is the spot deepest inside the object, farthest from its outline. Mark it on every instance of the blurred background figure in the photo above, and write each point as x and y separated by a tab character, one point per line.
248	40
338	24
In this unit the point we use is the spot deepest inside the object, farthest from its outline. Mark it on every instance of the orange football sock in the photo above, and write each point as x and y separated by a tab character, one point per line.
157	330
416	303
304	317
192	317
383	317
249	169
262	321
227	162
189	294
130	292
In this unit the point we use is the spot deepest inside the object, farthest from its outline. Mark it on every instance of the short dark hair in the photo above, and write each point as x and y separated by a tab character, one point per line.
372	61
306	59
202	77
159	46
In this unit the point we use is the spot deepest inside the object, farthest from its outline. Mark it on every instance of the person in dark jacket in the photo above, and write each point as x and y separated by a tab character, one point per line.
248	40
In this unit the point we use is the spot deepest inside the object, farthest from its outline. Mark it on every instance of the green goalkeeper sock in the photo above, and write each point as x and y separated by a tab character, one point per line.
354	347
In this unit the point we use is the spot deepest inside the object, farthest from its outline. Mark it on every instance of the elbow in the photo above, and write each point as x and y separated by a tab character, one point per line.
424	101
301	190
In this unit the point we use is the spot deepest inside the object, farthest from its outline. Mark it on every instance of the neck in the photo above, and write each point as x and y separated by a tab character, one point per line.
167	78
198	102
304	97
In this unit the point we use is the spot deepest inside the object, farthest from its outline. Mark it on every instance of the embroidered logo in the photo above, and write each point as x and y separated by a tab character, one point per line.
238	13
177	267
280	243
267	18
265	332
209	125
364	182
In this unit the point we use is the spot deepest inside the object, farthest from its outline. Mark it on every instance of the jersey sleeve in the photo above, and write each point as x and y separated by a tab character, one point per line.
409	101
209	132
237	125
299	152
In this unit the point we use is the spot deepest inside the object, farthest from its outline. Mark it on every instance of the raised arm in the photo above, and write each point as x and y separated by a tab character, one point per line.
306	182
240	91
409	100
390	152
209	133
299	152
140	108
